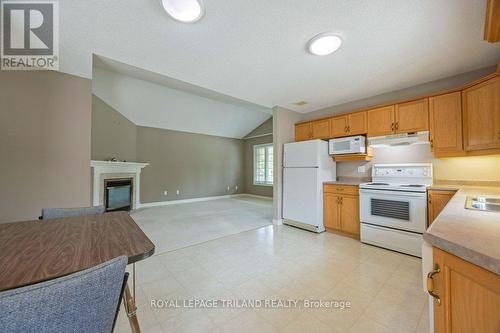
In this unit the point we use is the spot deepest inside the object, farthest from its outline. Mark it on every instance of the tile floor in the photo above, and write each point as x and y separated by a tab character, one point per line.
281	262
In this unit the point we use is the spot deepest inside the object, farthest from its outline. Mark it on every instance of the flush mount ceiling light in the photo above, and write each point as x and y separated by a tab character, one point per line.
324	44
186	11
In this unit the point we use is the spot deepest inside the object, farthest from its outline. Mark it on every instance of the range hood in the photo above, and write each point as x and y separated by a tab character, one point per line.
399	139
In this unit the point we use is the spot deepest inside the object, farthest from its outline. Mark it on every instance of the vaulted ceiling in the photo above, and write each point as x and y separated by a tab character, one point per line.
152	100
256	50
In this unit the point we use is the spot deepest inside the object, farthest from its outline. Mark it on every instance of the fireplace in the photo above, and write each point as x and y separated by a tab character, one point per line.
103	171
118	194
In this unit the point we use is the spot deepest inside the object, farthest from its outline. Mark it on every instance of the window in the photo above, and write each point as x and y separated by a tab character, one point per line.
263	164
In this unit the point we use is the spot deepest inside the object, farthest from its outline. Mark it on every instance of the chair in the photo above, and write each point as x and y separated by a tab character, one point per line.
86	301
55	213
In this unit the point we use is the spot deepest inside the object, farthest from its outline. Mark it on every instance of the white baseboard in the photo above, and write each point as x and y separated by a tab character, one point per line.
278	221
182	201
256	196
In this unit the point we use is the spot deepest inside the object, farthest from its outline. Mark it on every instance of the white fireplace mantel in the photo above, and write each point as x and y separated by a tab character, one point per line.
108	167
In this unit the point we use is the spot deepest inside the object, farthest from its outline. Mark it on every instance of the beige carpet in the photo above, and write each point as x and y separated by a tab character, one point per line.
176	226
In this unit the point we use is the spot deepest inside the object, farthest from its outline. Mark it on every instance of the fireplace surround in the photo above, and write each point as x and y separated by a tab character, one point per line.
105	171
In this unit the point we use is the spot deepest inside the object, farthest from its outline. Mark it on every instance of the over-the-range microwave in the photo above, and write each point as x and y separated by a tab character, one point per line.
347	145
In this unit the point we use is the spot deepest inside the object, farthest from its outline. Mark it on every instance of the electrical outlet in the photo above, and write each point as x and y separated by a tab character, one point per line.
361	169
178	192
228	188
165	193
236	187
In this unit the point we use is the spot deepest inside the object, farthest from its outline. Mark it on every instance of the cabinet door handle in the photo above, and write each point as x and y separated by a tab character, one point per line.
432	143
345	129
338	200
341	199
392	127
397	126
430	284
348	129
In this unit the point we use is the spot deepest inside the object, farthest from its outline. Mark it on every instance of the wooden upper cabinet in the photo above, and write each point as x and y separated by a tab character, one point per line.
338	126
350	124
357	123
481	111
321	129
438	199
303	131
380	121
412	116
349	214
492	21
445	123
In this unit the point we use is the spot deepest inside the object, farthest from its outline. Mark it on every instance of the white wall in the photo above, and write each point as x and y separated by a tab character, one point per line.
153	105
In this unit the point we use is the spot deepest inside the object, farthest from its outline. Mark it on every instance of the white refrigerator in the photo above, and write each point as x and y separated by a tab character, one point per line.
306	165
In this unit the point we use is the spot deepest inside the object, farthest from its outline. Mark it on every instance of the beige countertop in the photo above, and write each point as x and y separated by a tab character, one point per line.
444	187
469	234
348	181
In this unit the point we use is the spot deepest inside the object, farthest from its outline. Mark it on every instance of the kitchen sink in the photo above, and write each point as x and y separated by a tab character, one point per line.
483	203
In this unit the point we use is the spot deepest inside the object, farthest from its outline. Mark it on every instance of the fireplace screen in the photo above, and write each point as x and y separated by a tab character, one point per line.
118	194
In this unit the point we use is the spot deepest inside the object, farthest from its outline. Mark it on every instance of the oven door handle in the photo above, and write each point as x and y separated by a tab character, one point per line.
396	193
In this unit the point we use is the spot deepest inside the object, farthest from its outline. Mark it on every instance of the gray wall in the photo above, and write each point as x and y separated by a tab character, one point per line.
263	129
411	92
250	188
113	135
197	165
44	142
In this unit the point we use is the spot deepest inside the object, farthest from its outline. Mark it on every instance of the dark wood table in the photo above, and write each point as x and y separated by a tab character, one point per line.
36	251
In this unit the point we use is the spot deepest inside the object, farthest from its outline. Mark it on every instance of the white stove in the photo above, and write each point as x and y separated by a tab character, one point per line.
396	187
393	208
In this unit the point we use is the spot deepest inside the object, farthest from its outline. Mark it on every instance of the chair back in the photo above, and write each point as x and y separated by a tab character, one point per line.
85	301
56	213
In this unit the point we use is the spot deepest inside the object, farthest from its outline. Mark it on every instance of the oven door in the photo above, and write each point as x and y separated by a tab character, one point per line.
394	209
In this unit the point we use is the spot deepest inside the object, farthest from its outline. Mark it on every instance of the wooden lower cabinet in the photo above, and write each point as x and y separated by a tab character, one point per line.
349	214
341	209
437	200
469	296
331	212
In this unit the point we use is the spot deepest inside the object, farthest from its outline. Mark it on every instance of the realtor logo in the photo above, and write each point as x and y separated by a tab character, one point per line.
30	35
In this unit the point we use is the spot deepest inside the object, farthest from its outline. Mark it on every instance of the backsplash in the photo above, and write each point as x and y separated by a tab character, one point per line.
452	168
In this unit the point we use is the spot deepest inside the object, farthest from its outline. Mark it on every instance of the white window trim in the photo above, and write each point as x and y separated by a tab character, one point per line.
255	147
